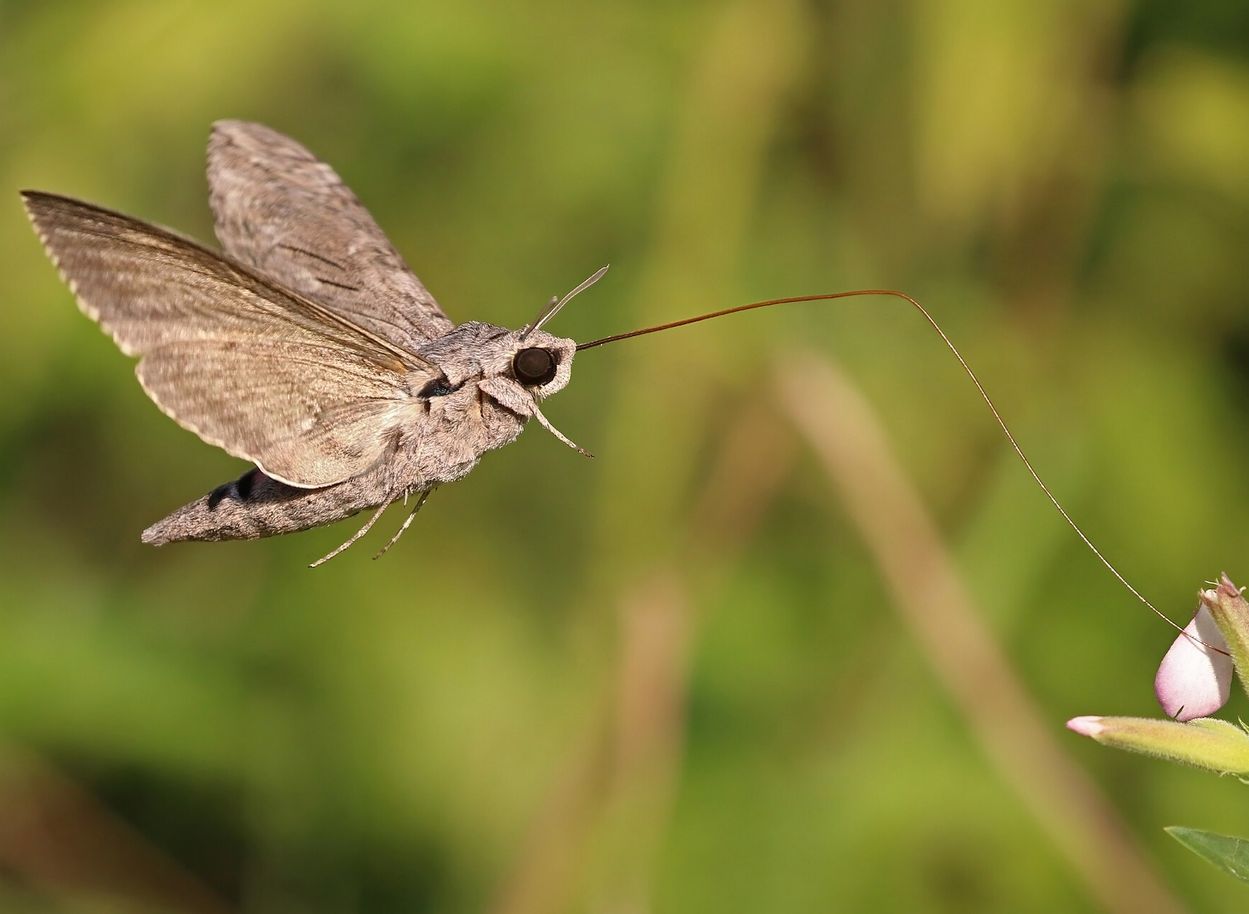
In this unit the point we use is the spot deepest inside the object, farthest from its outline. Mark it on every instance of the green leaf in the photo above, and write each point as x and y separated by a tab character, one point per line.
1228	853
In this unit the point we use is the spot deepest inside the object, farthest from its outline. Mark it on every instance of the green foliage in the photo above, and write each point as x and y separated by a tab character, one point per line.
1228	853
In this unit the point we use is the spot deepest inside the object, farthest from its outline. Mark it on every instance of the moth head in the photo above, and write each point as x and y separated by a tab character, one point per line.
527	366
541	363
519	368
530	364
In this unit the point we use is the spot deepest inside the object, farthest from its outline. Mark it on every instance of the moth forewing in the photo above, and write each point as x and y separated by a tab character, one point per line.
244	364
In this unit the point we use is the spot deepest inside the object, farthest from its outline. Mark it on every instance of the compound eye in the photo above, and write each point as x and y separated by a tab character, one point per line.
533	366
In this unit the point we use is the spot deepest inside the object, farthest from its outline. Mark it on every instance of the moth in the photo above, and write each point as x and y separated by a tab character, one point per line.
308	348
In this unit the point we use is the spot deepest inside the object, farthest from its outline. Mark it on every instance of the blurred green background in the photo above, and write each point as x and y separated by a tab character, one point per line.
675	678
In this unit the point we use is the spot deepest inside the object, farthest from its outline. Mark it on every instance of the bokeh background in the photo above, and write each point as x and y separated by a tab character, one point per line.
804	636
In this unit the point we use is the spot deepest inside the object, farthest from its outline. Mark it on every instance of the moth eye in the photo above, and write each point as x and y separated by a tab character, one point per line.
533	366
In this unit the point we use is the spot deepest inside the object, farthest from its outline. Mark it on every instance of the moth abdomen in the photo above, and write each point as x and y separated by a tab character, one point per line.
256	505
240	489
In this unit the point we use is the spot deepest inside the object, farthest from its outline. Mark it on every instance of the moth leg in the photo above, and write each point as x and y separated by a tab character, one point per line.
558	434
407	522
355	536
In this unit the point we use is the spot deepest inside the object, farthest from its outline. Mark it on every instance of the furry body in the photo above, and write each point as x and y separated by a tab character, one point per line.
443	445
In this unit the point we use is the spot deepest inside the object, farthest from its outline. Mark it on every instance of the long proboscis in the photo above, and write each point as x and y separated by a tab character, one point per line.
984	395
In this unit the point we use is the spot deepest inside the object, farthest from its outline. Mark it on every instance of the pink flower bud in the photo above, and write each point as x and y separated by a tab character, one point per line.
1195	680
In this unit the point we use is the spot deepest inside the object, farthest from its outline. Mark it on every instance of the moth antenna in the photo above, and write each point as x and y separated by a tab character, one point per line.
407	522
545	423
355	536
553	307
984	395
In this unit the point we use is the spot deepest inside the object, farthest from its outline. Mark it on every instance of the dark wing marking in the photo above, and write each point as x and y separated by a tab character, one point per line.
265	374
283	211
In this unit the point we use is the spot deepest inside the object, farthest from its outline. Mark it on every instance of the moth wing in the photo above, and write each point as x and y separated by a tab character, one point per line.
249	367
284	212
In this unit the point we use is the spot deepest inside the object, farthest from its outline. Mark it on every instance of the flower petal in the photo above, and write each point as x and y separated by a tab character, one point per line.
1089	725
1193	680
